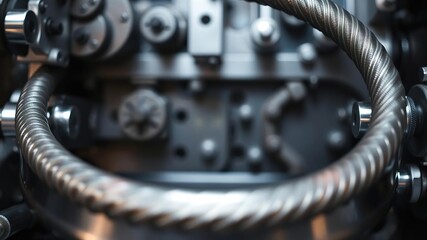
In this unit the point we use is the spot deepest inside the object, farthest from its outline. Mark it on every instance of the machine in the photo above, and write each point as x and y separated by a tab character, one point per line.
213	119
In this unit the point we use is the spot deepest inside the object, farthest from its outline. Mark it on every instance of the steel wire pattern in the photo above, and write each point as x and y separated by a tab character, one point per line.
218	210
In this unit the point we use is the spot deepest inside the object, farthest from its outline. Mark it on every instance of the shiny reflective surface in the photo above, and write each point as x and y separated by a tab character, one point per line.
353	219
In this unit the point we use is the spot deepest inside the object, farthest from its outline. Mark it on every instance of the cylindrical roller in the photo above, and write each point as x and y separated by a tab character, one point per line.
361	117
21	27
163	27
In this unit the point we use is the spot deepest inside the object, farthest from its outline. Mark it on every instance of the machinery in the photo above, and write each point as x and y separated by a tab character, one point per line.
213	119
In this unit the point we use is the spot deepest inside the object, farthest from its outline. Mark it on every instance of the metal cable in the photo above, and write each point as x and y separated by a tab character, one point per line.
217	210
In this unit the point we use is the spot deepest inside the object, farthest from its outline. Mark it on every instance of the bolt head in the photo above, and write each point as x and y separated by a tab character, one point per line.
209	149
422	74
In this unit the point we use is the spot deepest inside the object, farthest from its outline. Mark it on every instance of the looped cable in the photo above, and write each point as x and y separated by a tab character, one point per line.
291	200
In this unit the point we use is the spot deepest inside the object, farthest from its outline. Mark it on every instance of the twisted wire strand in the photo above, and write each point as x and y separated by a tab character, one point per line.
218	210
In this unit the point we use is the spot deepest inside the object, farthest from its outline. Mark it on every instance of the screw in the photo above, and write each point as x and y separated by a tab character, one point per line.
196	86
386	5
209	149
157	25
66	121
307	53
42	7
273	143
361	117
81	36
5	228
337	141
53	27
254	156
94	43
411	183
342	114
124	17
245	113
422	73
142	115
266	30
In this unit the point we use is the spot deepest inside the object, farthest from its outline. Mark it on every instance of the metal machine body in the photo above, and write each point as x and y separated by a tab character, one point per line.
250	120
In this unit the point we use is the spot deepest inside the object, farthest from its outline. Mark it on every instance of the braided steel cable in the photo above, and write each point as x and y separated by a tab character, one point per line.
217	210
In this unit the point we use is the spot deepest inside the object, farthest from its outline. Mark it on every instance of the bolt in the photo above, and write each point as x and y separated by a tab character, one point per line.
8	120
196	86
265	33
209	149
142	115
57	56
53	27
245	113
411	184
266	30
94	43
254	156
5	228
157	25
313	81
124	18
337	141
42	6
422	74
66	121
297	91
81	36
386	5
342	114
361	118
214	61
307	53
273	143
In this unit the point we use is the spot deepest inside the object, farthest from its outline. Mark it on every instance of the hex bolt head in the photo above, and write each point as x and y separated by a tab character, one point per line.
65	121
410	185
143	115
